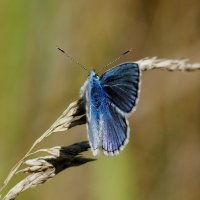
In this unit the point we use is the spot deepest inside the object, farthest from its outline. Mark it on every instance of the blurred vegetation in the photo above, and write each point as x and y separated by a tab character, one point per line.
37	83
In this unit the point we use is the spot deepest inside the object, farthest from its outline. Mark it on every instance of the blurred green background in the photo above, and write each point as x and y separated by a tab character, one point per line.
37	83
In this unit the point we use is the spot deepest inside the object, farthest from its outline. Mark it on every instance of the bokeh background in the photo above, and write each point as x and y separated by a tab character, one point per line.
37	83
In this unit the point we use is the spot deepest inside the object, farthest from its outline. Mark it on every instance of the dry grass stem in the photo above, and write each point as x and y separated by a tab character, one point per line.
44	168
72	116
167	64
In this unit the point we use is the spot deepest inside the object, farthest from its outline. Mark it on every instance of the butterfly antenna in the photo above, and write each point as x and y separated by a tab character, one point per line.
123	54
72	58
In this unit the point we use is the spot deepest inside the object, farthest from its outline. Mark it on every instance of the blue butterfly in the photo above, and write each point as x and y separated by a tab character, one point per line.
108	101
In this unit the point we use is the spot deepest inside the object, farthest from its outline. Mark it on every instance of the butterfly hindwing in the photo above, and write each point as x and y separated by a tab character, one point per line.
107	128
115	130
95	137
121	84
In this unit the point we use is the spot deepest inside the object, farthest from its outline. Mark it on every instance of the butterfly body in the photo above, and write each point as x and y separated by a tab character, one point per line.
108	99
95	91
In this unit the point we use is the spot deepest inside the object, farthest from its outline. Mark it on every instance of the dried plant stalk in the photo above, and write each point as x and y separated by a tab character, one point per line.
72	116
44	168
167	64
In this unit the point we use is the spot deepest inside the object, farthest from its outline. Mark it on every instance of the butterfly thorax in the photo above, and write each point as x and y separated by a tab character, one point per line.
96	94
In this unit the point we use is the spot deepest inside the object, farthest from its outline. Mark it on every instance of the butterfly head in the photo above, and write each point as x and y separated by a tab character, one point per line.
93	75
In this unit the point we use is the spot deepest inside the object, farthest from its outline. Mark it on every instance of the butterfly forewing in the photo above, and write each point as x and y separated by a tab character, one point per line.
121	84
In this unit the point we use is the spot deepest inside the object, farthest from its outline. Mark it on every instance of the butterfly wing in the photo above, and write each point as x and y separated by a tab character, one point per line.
121	85
114	129
92	114
107	128
94	135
